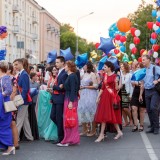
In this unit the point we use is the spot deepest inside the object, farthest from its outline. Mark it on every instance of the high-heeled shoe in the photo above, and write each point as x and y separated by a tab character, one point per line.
119	135
99	139
84	133
12	151
91	134
141	129
135	128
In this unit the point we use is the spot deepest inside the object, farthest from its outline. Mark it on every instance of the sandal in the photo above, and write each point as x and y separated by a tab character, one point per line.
141	129
135	128
126	124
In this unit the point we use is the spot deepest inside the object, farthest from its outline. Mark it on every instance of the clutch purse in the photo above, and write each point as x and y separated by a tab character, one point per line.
18	100
9	106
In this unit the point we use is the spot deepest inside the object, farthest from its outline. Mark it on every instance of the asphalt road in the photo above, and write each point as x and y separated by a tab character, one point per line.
133	146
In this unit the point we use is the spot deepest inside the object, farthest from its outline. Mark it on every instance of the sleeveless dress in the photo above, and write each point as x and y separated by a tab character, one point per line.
87	102
105	112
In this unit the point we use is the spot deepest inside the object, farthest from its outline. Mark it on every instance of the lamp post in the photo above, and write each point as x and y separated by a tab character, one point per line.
77	52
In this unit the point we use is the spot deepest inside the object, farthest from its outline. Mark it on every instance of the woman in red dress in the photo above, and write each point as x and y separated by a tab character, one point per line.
108	96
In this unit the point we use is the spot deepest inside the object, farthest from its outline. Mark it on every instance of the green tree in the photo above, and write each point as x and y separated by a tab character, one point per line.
68	39
139	20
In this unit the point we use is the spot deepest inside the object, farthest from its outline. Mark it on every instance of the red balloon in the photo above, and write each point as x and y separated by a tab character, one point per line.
123	39
140	59
133	31
158	23
141	51
117	37
97	45
136	40
150	25
134	50
116	51
155	47
154	35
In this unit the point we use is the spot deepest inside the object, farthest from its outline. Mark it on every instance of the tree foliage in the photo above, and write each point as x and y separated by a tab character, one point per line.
68	39
139	20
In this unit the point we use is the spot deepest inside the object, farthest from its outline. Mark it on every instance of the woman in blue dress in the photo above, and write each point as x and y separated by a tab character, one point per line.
6	141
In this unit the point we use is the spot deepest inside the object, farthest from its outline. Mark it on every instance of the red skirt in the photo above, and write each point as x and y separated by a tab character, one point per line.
105	112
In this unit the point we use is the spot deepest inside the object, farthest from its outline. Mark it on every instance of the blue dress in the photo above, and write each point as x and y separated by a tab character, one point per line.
5	118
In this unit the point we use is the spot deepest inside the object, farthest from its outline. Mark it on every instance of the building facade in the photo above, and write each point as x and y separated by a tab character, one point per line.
49	34
24	23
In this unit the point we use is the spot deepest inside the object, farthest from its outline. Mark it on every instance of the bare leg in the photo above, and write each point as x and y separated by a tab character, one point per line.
125	118
84	129
93	130
101	136
128	112
142	115
119	132
135	116
15	133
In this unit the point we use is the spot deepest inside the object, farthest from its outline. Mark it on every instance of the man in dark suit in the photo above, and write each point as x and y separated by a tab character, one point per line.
58	98
23	87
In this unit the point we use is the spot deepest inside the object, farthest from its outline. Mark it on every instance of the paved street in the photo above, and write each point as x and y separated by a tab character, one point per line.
130	147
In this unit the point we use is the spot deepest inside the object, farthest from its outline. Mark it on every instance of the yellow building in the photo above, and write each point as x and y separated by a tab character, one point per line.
23	19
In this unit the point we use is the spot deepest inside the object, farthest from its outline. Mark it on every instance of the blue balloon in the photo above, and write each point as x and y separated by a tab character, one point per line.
122	49
51	56
158	31
139	75
2	54
67	54
154	13
158	19
114	60
106	44
158	2
153	41
81	60
33	92
101	62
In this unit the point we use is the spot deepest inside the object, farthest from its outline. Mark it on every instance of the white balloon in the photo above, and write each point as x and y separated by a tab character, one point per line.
158	14
117	42
155	54
132	45
155	27
137	33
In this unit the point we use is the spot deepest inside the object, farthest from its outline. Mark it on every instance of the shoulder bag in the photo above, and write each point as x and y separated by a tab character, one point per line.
157	86
9	106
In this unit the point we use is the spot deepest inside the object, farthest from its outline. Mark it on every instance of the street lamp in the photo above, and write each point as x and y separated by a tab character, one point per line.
77	52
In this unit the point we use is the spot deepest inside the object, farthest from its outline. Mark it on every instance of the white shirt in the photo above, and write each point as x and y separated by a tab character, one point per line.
47	77
60	70
21	71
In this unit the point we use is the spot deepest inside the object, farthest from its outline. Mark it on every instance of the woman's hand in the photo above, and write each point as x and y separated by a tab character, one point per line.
61	86
70	105
140	98
97	101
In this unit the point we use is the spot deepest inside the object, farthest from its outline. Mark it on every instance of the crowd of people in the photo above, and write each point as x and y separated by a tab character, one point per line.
60	97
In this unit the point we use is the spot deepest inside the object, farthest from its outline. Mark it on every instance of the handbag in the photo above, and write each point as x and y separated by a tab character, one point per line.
9	106
71	118
157	86
18	100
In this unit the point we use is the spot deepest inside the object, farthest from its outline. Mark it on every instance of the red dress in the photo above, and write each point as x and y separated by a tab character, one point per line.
105	111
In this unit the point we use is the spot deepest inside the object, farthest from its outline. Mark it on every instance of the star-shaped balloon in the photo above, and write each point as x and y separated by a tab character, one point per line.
93	54
81	60
114	60
67	54
101	63
106	44
51	56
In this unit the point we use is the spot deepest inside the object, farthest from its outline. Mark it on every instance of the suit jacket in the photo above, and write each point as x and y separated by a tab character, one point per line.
59	98
24	86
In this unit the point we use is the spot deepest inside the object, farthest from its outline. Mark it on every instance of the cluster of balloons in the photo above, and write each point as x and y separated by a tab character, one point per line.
136	40
67	54
3	35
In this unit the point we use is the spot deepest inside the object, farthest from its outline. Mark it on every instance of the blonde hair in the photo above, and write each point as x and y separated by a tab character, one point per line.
4	66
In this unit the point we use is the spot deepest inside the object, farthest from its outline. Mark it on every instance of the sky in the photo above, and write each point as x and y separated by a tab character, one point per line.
94	26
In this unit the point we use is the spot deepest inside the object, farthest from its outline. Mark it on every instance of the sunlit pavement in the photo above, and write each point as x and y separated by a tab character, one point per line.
130	147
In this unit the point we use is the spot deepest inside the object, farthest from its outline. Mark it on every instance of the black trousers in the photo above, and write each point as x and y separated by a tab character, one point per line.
152	104
57	117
